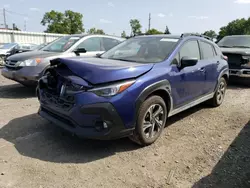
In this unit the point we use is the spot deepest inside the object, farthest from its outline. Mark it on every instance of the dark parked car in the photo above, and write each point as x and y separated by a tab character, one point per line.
237	49
133	88
26	68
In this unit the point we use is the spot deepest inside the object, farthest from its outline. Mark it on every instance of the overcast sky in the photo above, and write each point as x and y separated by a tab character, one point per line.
113	16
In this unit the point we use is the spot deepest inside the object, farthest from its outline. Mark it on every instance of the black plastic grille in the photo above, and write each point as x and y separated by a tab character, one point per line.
234	60
59	117
66	102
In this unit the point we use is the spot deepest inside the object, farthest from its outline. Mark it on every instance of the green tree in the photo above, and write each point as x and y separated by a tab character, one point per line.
212	34
153	32
123	35
135	26
73	20
68	22
235	27
167	30
96	31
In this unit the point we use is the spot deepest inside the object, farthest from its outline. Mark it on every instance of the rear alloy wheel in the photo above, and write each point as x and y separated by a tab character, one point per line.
219	93
151	121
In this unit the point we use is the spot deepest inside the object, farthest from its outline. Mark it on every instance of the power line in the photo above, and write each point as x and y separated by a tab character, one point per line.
12	12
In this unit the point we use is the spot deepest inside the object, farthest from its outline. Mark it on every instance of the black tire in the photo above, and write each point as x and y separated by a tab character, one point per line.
1	61
215	101
151	106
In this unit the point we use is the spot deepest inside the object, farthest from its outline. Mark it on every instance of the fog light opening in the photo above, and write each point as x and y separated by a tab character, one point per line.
105	125
101	125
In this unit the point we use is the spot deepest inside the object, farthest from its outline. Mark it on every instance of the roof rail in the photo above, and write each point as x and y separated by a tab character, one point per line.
140	34
195	34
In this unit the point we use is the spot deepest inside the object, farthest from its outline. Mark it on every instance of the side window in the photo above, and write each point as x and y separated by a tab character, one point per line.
190	49
24	47
91	44
109	43
218	50
207	50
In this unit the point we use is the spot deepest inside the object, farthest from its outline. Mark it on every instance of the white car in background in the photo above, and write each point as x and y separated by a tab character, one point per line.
28	67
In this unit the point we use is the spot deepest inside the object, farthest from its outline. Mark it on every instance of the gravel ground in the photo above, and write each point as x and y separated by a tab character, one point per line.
202	147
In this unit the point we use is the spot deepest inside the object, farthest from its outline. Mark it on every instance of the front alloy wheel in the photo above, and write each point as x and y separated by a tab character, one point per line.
151	121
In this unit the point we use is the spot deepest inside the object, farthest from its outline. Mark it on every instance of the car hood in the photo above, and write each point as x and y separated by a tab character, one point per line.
32	54
242	51
99	71
3	51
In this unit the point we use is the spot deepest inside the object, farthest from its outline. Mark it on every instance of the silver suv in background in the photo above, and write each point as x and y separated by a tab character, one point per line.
26	68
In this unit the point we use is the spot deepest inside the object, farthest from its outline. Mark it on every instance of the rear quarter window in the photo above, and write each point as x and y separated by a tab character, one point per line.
208	50
217	50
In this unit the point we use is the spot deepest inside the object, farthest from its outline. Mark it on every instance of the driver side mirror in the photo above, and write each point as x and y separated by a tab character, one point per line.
188	61
80	50
99	55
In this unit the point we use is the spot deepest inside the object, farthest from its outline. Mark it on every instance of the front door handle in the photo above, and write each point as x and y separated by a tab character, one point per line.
218	62
202	69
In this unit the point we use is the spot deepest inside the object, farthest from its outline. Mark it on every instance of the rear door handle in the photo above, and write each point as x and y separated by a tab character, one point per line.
218	62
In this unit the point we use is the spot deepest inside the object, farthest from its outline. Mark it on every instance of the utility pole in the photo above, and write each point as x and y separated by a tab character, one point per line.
25	25
149	21
4	18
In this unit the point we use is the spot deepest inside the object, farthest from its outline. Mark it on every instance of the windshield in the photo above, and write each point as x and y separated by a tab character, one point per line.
62	44
39	47
8	46
142	49
235	41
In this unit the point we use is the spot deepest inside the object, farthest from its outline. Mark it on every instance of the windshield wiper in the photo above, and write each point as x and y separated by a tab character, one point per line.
241	46
226	46
124	60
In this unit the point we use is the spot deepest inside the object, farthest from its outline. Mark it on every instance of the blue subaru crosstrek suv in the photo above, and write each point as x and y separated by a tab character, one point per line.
131	90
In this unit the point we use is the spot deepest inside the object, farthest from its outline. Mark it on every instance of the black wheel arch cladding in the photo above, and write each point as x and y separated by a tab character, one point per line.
161	86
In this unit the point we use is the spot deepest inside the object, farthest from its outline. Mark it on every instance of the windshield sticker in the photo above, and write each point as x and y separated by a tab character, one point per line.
169	40
74	38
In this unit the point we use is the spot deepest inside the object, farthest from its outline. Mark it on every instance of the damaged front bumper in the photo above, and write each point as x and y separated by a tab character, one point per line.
99	121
